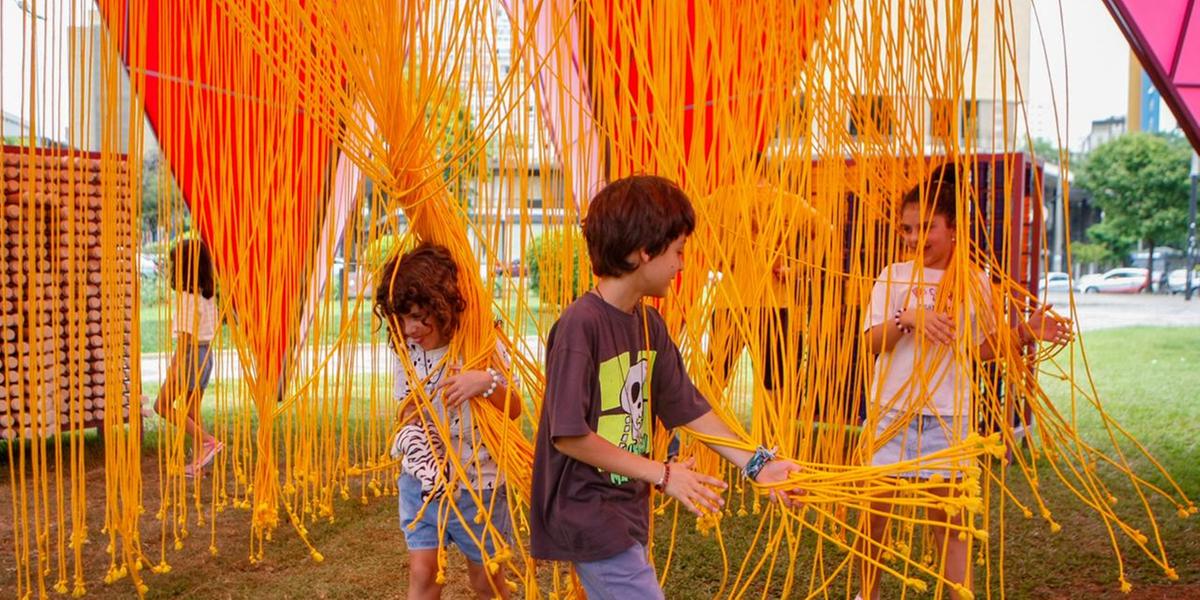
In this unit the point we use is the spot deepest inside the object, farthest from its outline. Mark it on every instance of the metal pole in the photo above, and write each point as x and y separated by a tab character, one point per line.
1059	226
1191	242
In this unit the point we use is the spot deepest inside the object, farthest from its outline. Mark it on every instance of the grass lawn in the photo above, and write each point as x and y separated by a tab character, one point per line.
333	317
1148	380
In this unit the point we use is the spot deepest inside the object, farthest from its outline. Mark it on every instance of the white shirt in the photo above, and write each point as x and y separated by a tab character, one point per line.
430	366
196	316
932	378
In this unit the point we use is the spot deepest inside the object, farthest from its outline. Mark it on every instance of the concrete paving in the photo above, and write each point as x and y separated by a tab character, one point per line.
1109	311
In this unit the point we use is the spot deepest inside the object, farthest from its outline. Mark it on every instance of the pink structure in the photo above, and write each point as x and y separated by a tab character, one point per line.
1165	35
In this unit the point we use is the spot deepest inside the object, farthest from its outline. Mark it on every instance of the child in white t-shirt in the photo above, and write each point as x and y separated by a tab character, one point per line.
924	329
194	324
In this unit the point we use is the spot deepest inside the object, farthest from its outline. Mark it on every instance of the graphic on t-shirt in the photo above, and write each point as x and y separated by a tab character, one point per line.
926	297
624	408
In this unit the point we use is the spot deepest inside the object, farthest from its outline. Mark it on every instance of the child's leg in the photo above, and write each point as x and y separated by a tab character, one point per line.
955	552
487	585
626	575
422	575
421	538
464	532
170	391
876	524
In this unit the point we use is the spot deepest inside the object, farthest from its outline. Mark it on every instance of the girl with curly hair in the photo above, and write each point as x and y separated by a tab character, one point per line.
418	299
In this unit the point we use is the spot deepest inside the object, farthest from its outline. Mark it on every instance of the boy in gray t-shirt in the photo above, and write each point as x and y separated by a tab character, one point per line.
611	368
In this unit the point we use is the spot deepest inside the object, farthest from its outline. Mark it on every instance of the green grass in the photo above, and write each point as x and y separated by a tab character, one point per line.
1148	381
355	317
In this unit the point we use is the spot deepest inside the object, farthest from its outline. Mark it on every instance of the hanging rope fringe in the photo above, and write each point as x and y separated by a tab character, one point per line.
288	128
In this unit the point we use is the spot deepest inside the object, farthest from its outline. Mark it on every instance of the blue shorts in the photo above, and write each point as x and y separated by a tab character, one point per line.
423	535
923	435
626	576
196	364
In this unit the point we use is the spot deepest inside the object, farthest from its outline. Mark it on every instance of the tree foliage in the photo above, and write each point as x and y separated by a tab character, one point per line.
1140	181
1044	149
559	268
155	173
1084	253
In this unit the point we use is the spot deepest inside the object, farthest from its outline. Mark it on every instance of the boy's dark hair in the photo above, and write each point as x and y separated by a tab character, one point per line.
190	268
641	212
426	277
941	193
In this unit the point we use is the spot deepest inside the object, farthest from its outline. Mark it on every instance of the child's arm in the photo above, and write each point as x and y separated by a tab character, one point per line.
775	471
1042	326
937	327
465	385
678	480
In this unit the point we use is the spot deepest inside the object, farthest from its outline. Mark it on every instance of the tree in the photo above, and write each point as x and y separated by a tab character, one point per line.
1090	254
558	265
1044	149
1140	181
452	127
154	172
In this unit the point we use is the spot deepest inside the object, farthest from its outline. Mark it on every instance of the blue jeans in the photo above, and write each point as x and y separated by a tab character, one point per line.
922	435
423	534
626	576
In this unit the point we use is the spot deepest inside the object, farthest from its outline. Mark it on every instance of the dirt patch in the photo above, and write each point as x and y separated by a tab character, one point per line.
363	547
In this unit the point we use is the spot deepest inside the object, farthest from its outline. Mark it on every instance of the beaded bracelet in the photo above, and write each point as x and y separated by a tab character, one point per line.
666	476
755	465
896	318
495	382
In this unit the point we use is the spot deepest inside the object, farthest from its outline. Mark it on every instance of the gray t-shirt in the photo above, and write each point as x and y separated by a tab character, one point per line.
599	366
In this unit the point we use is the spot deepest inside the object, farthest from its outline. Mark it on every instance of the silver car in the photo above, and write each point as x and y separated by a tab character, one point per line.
1125	280
1177	281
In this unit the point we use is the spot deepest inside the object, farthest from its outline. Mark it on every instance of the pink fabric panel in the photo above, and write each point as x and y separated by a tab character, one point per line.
1191	99
1160	23
1187	71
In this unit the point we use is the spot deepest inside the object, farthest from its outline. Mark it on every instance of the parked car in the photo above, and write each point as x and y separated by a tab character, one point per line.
1177	281
1126	280
1055	281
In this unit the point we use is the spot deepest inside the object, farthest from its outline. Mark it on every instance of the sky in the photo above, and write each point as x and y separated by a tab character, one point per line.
1096	58
52	109
1089	81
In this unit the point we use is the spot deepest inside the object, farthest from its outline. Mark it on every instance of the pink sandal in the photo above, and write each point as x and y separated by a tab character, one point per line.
210	452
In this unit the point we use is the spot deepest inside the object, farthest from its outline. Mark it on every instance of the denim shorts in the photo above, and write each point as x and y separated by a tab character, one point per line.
424	532
626	576
196	363
923	435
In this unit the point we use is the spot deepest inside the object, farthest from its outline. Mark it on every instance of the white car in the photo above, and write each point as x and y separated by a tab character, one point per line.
1126	280
1177	280
1055	281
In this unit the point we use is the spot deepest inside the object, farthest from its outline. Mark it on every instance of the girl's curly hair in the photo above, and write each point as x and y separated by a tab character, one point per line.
425	278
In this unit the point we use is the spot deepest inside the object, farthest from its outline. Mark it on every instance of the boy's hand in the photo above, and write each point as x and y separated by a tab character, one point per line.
776	471
460	387
694	490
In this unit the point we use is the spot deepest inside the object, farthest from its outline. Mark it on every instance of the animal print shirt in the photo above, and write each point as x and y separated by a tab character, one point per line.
606	374
422	448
